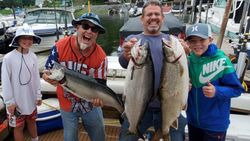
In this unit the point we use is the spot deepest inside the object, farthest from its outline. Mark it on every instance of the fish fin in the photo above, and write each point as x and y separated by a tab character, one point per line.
130	133
184	107
132	73
157	135
80	75
181	70
123	98
72	92
136	133
119	98
166	137
175	124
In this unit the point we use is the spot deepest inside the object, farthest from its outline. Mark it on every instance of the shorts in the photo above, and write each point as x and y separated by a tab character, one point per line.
20	120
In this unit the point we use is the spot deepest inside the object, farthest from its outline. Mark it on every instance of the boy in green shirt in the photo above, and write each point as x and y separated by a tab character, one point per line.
214	83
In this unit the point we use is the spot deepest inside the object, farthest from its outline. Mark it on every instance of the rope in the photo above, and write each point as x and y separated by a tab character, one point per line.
50	106
245	86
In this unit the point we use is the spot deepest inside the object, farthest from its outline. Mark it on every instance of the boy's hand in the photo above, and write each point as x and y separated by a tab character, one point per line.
209	90
38	102
11	109
46	74
97	102
127	47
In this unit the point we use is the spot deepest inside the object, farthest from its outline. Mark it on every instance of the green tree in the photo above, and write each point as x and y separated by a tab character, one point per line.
16	3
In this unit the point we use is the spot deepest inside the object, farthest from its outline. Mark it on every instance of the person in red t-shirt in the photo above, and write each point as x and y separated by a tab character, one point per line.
80	53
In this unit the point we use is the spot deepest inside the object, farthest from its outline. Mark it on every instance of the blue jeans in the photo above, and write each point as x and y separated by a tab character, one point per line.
198	134
92	121
179	134
153	117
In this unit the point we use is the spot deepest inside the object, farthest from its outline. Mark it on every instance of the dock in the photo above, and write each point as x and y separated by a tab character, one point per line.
112	133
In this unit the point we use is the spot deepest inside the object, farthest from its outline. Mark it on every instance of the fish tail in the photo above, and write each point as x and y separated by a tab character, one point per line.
136	133
166	137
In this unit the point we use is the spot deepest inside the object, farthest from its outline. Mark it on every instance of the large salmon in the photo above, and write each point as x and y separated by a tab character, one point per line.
139	84
174	84
85	87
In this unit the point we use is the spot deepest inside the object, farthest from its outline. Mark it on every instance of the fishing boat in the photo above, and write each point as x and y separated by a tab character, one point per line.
241	103
5	40
48	21
9	21
214	16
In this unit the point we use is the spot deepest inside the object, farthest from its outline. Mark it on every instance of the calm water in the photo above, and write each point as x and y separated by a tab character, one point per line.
110	40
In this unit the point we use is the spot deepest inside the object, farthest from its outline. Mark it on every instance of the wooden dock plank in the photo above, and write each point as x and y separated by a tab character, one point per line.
112	134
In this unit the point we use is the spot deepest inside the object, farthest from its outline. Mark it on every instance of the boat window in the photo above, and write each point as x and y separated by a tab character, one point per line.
220	3
48	17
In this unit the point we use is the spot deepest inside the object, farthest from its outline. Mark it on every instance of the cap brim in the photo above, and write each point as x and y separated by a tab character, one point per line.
198	35
78	22
36	40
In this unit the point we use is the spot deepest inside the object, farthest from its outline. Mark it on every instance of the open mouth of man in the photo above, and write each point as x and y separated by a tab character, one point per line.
86	38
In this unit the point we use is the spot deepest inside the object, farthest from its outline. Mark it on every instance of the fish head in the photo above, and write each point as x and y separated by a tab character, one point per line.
172	51
139	52
57	72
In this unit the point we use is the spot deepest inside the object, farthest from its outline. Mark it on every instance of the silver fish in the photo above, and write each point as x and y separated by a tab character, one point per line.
139	84
174	84
85	87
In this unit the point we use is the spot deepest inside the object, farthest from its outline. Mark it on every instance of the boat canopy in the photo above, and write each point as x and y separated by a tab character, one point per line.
171	25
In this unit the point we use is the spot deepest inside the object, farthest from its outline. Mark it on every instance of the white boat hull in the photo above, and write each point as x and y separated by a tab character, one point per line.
215	16
241	103
239	129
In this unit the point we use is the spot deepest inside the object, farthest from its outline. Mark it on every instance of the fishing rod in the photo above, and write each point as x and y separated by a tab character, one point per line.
241	49
57	32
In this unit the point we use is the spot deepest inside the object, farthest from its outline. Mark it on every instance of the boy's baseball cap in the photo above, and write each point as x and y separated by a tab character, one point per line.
91	17
200	29
24	30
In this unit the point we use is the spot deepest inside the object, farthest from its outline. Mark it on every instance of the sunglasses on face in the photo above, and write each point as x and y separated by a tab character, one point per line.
94	29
